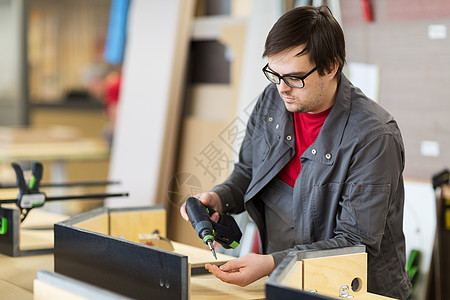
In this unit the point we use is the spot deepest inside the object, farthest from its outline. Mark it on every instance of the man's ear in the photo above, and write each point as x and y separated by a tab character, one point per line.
333	70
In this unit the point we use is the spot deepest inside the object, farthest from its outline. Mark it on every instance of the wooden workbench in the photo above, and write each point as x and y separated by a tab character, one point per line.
53	143
18	273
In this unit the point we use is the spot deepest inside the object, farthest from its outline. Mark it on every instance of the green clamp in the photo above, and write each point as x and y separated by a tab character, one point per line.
4	226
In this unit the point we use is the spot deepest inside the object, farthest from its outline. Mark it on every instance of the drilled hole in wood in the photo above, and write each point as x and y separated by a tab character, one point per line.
356	284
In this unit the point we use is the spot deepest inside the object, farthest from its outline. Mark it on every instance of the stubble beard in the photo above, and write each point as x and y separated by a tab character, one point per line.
296	106
310	103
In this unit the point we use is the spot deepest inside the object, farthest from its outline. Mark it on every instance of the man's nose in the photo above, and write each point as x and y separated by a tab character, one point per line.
283	87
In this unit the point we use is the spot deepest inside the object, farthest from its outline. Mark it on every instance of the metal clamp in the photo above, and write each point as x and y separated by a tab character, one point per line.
344	292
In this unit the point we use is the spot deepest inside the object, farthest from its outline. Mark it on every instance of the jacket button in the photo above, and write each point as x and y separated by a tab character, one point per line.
270	119
328	156
278	126
289	138
314	151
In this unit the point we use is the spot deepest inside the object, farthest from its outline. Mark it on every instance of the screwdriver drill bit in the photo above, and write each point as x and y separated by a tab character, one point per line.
210	244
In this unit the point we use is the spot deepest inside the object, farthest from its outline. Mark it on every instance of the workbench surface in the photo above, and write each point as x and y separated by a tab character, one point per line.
18	273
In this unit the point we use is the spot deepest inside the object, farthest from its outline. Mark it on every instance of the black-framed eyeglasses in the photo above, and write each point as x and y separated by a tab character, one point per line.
296	82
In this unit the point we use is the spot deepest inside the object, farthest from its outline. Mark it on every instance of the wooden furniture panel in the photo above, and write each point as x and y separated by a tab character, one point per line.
129	224
327	274
98	224
294	278
137	270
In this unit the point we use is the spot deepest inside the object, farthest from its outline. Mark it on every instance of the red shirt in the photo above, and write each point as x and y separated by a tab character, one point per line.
307	128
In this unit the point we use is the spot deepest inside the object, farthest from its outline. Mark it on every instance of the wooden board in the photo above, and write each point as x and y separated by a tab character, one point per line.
205	287
445	191
197	138
145	135
119	265
51	134
199	257
54	286
98	224
294	278
328	274
46	291
82	149
11	291
39	218
21	271
129	224
35	239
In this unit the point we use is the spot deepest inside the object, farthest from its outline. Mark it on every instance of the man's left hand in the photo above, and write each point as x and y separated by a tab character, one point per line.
243	270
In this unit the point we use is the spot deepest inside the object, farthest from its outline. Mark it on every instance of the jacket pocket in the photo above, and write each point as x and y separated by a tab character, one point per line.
364	210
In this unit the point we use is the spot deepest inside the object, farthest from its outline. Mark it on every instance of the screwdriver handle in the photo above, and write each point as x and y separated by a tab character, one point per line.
199	217
226	230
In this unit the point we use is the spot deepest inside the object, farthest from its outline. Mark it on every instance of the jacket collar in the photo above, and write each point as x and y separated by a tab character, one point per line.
330	136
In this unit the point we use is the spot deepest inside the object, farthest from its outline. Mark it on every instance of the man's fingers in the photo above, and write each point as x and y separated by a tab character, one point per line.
228	277
231	266
215	217
183	212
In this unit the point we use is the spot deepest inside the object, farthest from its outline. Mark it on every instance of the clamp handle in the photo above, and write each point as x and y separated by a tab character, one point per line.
37	171
20	179
29	196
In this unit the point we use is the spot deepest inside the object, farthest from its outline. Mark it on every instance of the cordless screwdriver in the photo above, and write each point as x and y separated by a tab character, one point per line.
226	231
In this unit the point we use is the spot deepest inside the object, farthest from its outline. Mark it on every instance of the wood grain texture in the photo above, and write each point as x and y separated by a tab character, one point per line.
328	274
130	223
98	224
21	271
294	278
205	287
11	291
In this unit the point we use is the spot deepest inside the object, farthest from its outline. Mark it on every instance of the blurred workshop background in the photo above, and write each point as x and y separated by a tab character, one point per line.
156	95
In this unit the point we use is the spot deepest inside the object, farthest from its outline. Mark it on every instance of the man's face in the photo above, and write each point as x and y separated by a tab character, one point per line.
318	93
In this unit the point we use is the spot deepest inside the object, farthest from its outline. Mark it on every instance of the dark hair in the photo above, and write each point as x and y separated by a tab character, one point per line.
314	27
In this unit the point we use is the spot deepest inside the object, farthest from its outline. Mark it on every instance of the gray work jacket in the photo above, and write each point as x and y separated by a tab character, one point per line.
349	191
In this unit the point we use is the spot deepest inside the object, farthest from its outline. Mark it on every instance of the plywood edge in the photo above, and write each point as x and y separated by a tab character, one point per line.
198	257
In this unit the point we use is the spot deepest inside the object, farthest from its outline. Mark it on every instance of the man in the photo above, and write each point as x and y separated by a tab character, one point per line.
321	164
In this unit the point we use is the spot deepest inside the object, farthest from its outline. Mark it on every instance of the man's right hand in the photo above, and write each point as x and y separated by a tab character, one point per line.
210	199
